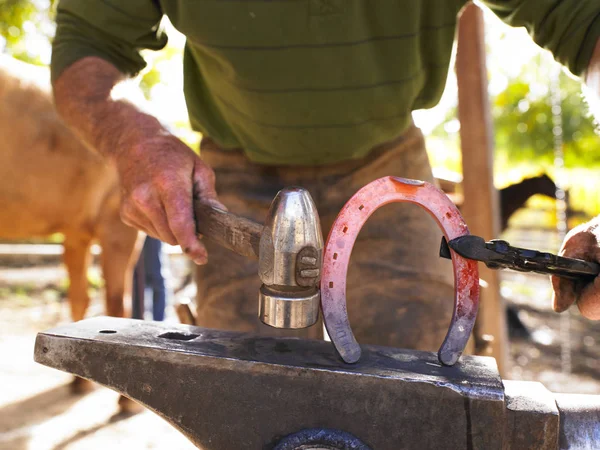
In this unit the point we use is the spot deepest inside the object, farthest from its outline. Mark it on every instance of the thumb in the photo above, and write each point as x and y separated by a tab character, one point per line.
205	185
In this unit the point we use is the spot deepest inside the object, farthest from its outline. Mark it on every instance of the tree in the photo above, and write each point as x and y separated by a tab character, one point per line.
523	127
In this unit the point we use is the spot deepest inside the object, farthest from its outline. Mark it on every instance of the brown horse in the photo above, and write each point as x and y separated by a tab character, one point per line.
514	196
50	182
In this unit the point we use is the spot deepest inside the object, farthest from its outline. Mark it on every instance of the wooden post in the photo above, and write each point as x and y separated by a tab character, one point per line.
480	207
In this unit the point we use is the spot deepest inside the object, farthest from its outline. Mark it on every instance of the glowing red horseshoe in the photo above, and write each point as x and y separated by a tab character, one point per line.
339	245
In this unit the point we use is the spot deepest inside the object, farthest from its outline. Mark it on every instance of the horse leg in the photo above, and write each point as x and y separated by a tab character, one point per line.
77	258
120	249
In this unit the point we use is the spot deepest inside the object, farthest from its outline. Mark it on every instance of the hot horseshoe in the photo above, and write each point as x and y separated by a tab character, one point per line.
339	245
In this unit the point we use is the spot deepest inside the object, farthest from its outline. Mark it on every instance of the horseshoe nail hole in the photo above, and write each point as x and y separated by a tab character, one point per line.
360	208
331	284
335	256
345	229
107	331
448	215
177	336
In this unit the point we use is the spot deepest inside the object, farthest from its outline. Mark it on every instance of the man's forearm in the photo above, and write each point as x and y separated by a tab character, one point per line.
82	95
159	175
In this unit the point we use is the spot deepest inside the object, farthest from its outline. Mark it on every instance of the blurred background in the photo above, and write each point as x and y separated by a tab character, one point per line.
37	410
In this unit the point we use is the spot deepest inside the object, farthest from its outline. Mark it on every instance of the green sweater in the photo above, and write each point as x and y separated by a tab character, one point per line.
304	82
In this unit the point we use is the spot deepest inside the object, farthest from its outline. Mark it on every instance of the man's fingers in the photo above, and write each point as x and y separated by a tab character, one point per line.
142	225
564	294
580	243
204	185
131	216
157	215
180	215
162	204
589	301
142	210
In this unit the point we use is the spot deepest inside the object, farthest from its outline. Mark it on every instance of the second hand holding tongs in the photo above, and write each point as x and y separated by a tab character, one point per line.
499	254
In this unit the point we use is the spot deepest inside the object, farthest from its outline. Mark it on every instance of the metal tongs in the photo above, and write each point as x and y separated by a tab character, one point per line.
499	254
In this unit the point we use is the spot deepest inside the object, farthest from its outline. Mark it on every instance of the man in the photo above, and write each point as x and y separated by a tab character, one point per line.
149	272
317	93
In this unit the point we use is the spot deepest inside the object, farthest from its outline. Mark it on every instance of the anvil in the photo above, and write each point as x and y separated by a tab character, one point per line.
227	390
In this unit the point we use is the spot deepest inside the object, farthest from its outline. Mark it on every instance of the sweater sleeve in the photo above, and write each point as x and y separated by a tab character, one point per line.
568	28
113	30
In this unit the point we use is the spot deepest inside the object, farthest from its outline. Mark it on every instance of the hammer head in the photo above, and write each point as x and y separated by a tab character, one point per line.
290	261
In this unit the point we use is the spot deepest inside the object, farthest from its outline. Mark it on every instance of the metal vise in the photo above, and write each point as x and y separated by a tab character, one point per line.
227	390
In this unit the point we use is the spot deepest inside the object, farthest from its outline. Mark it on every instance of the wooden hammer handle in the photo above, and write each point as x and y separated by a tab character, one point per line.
236	233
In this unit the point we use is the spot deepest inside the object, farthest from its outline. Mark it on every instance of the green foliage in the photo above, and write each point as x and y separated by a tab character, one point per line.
20	19
524	129
95	280
524	139
148	80
158	63
13	15
524	133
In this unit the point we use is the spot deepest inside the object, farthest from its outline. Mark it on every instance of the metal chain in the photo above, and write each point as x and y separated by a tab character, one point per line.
561	206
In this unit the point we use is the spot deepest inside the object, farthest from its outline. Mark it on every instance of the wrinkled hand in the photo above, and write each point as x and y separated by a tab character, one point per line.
160	177
582	242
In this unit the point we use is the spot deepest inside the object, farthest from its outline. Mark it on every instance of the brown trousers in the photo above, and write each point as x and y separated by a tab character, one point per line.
400	293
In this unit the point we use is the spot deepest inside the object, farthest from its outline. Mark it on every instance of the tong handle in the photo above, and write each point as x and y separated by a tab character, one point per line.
499	254
526	260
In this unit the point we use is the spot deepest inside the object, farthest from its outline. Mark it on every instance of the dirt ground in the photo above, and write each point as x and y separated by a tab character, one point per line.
37	410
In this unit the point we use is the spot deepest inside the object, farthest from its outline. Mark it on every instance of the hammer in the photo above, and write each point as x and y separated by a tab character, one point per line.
289	248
